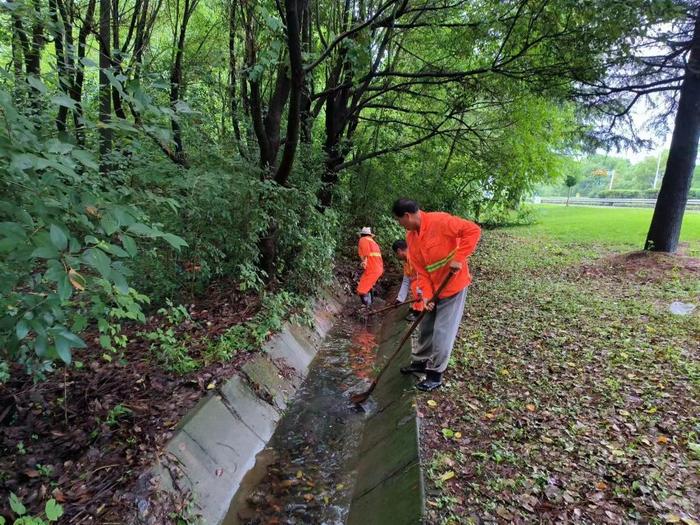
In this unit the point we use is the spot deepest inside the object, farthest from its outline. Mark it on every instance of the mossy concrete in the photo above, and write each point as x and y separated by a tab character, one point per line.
389	484
216	443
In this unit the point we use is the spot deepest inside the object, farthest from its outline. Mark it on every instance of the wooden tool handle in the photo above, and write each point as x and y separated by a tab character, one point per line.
415	324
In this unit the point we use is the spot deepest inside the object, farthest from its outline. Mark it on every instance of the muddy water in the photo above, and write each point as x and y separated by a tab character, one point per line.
306	473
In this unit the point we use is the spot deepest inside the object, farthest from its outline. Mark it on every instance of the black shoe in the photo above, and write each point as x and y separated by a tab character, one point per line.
414	367
432	381
412	316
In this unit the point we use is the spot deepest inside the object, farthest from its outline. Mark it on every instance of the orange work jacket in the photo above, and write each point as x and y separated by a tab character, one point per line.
441	239
410	273
368	248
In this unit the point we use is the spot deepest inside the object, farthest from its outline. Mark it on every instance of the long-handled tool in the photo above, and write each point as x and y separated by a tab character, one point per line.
363	396
390	307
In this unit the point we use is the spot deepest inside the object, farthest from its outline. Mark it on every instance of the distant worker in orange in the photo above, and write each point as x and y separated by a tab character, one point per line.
409	282
371	257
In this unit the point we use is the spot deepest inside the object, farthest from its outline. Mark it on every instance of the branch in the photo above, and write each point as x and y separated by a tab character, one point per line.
347	34
393	149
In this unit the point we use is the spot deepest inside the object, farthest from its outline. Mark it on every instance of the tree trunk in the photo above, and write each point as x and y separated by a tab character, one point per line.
116	60
176	79
77	85
307	47
232	73
33	58
140	40
105	88
63	46
20	47
665	228
568	195
292	8
336	112
284	88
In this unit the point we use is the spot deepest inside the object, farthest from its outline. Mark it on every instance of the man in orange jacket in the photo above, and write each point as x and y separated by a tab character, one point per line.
409	282
372	264
438	243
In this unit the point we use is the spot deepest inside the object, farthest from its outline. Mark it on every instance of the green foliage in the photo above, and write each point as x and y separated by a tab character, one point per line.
174	314
631	180
639	194
387	230
207	213
276	308
116	413
66	243
52	512
481	180
169	350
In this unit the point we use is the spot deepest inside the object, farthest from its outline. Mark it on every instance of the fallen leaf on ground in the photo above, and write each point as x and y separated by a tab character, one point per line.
431	403
447	475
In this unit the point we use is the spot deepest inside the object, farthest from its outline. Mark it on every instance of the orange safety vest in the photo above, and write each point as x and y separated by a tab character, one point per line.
369	249
441	239
412	275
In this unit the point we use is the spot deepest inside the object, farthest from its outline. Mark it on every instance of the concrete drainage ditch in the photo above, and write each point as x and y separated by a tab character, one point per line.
372	473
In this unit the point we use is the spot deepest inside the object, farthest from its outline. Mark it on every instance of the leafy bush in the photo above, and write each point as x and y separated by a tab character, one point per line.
215	208
168	349
275	310
628	194
66	243
388	230
694	193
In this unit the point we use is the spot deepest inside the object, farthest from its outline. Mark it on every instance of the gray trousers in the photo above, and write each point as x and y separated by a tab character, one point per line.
438	332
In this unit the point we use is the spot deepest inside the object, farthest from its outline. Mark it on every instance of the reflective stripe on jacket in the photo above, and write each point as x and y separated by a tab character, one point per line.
369	249
441	239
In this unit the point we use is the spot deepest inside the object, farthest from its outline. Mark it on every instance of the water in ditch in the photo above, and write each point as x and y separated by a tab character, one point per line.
306	473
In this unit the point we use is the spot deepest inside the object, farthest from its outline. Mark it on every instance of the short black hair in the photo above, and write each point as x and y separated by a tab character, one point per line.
404	206
399	244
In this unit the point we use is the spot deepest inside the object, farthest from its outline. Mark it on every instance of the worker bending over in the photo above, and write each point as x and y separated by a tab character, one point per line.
437	243
372	264
409	282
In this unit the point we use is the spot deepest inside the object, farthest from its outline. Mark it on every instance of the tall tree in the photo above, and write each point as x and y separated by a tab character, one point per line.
665	228
656	62
105	131
177	74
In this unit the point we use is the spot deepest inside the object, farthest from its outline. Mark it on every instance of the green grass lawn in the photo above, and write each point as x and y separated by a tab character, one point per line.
573	394
616	227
